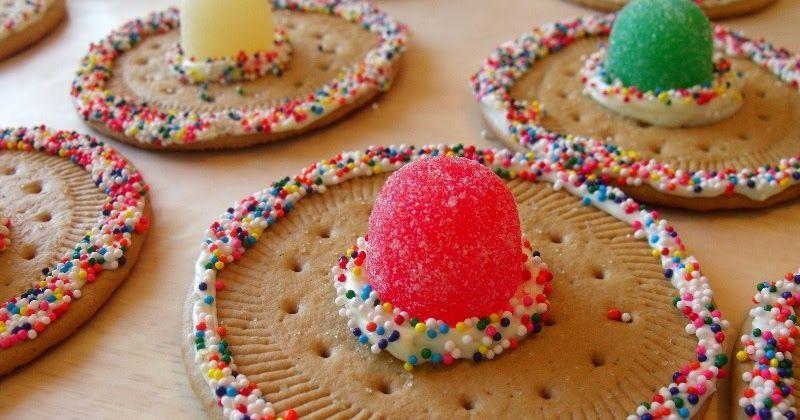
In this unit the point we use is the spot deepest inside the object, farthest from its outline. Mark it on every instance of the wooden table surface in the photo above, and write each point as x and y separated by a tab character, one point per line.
125	362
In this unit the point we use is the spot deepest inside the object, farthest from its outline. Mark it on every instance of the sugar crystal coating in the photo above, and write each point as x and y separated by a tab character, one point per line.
661	45
446	239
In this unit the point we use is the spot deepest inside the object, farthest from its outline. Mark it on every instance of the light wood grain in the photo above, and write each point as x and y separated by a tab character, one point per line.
126	362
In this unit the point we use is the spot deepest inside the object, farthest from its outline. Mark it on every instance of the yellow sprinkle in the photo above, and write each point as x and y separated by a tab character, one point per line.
357	271
655	252
494	317
483	349
773	363
420	327
408	367
387	307
219	265
741	356
460	327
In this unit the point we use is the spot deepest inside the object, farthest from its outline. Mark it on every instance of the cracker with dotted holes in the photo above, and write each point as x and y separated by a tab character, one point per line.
26	21
764	133
326	50
715	9
285	333
52	203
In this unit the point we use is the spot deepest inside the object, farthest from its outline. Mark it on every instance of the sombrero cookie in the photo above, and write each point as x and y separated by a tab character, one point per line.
445	282
23	22
715	9
656	101
217	76
75	212
763	374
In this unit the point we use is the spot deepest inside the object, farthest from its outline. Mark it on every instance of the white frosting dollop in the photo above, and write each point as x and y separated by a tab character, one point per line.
376	323
698	105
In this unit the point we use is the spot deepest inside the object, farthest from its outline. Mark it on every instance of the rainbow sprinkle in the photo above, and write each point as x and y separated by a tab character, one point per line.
609	163
26	316
244	223
594	76
381	326
769	347
227	70
147	123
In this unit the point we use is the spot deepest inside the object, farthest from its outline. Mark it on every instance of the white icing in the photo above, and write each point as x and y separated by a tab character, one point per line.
653	109
231	69
767	321
450	341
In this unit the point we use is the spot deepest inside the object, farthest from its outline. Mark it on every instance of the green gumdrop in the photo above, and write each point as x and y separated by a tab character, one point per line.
661	44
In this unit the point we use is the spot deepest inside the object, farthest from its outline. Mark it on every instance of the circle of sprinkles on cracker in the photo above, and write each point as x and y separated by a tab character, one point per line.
27	315
520	120
769	346
227	70
159	127
246	221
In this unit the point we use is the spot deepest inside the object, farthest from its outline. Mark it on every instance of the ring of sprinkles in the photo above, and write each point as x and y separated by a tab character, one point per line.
241	226
24	13
228	70
158	127
27	315
381	326
769	346
5	231
519	119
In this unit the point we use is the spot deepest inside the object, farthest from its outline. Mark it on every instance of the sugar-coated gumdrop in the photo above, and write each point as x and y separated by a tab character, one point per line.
661	44
445	240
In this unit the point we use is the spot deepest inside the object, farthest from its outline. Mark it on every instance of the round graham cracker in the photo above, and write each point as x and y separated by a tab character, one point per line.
52	203
325	49
732	159
35	31
286	334
713	9
766	128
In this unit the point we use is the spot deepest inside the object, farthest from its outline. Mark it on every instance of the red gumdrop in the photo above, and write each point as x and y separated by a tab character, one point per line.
445	240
